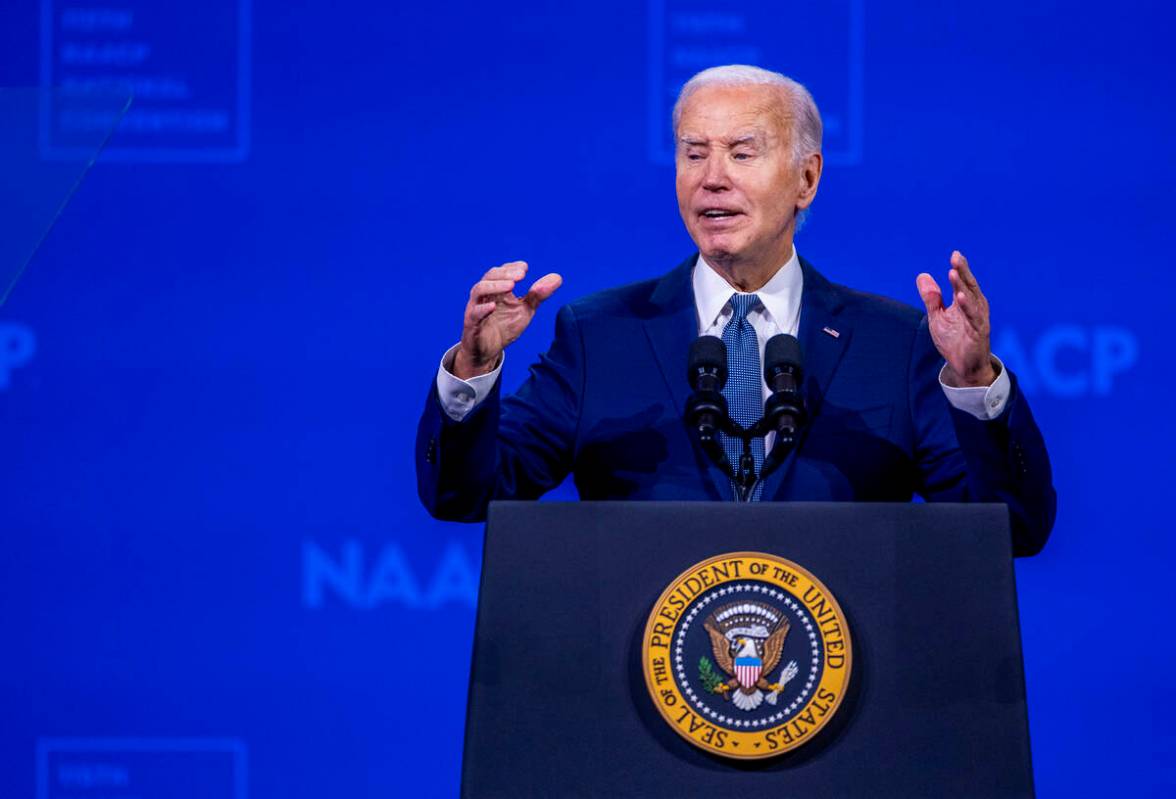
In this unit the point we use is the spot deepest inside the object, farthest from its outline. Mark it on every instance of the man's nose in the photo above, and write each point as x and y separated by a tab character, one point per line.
716	177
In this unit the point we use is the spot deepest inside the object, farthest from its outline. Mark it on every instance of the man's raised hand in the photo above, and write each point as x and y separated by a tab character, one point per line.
961	331
495	317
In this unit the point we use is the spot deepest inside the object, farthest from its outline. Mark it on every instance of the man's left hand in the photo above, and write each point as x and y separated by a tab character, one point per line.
960	332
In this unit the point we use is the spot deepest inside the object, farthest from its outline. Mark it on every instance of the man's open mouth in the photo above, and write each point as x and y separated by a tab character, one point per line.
718	213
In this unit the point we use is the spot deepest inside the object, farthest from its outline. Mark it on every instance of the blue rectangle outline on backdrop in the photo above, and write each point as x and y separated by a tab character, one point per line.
231	746
856	90
234	154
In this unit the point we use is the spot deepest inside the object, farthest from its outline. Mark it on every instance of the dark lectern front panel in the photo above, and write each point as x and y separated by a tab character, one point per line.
936	703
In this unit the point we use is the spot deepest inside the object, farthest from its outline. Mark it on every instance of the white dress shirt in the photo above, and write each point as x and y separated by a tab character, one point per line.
778	312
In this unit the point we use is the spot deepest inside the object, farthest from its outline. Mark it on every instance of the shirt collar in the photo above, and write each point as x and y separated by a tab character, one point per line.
780	295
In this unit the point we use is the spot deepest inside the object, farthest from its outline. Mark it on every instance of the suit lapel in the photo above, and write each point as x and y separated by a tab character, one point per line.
824	336
671	327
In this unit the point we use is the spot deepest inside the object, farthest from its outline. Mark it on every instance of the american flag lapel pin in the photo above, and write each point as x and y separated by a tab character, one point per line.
831	332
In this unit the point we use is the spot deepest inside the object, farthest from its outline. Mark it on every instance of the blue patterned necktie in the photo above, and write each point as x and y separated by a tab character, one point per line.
744	391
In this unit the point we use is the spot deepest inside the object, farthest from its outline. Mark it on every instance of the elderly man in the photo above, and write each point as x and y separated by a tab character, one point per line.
898	402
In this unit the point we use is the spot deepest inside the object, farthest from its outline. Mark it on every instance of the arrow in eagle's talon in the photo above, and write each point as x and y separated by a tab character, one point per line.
786	674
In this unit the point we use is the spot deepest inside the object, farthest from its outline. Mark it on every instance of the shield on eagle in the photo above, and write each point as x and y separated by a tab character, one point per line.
748	670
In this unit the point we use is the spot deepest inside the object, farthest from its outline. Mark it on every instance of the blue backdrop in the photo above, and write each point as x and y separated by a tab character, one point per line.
216	578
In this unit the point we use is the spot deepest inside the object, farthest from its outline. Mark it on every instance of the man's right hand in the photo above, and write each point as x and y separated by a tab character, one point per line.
495	317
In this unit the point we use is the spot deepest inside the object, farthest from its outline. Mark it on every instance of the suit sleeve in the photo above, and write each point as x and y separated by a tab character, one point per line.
961	458
518	447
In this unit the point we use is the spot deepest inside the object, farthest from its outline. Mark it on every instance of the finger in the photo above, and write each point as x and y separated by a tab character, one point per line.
930	292
488	288
515	270
543	288
961	265
480	311
958	287
975	310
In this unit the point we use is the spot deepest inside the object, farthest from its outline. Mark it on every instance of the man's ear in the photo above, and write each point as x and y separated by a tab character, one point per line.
810	177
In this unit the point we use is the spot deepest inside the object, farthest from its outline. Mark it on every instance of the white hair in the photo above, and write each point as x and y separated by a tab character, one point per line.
806	119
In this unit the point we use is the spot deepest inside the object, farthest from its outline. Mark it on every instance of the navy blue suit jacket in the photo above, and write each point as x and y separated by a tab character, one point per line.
606	403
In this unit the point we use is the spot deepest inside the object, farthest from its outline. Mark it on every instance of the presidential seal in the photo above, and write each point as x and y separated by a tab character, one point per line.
747	655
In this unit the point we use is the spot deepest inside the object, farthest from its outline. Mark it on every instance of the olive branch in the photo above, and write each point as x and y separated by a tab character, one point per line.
710	678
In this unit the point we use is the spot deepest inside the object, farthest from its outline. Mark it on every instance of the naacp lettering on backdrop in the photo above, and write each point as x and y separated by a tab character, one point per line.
139	768
360	578
686	36
1069	361
189	103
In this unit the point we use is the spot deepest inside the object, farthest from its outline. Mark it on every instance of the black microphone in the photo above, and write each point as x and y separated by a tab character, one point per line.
706	411
784	410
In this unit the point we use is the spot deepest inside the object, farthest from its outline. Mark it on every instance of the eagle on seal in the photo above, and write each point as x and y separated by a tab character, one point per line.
747	639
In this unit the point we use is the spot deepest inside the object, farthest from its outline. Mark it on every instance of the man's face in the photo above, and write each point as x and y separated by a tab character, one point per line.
739	187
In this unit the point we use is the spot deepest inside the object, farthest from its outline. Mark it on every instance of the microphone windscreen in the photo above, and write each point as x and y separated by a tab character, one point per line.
707	354
782	352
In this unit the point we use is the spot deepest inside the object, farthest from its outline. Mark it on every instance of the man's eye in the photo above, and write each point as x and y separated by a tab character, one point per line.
741	156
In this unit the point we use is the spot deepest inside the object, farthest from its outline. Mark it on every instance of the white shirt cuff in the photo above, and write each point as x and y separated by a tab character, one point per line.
459	397
984	403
